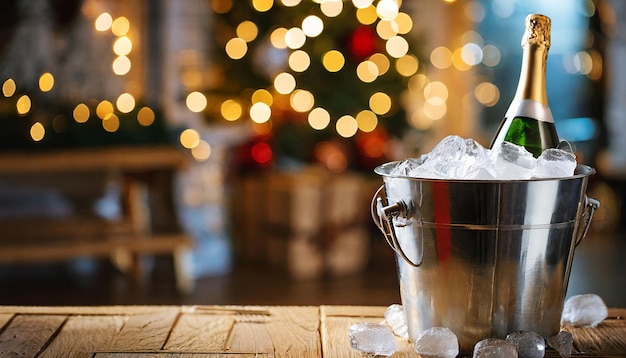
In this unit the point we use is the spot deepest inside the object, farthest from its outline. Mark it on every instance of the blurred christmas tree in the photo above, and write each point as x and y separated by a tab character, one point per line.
319	81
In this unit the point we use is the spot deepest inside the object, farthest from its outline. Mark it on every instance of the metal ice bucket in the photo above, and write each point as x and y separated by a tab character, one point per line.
483	258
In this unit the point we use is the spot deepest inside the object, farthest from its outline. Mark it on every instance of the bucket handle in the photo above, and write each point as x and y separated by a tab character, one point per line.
591	205
382	216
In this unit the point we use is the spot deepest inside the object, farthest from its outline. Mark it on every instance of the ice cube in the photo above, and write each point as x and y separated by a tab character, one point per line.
563	342
396	320
494	348
529	344
584	310
555	163
372	339
437	342
405	167
512	162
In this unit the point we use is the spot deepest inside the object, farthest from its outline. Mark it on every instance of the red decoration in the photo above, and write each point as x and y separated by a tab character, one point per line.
362	43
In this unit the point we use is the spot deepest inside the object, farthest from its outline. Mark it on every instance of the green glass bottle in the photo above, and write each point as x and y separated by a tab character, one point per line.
528	121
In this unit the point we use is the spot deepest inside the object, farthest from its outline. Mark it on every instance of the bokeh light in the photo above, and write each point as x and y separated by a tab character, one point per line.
202	151
299	61
103	22
145	116
260	112
196	101
104	108
319	118
125	102
312	26
231	110
380	103
8	88
247	31
81	113
37	131
333	61
284	83
120	26
236	48
23	105
189	138
367	121
346	126
46	82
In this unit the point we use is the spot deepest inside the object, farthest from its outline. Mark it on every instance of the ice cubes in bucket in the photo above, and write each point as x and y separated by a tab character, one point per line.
372	339
584	310
458	158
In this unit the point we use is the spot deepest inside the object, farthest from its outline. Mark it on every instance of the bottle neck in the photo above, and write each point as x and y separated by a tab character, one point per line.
532	79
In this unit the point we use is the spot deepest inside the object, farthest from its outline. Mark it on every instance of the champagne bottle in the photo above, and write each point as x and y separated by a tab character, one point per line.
528	121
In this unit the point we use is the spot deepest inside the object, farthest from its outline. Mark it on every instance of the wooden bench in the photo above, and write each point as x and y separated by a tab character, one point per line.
146	224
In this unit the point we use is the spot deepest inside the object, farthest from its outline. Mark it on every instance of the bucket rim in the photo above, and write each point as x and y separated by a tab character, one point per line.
384	170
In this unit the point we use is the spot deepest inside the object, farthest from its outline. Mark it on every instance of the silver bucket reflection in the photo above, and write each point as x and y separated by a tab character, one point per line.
483	258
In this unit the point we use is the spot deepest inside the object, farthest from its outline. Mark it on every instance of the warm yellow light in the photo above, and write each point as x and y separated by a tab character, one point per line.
367	16
189	138
277	38
125	102
120	26
361	4
196	101
263	95
236	48
284	83
9	87
111	123
397	46
333	61
301	100
37	131
81	113
312	26
457	60
386	29
441	57
262	5
247	31
435	111
121	65
346	126
367	121
331	8
407	65
387	9
290	3
596	65
260	112
23	105
231	110
221	6
380	103
202	151
46	82
367	71
262	129
436	93
382	62
145	116
319	118
122	46
103	109
487	93
295	38
420	121
299	61
404	23
103	22
418	82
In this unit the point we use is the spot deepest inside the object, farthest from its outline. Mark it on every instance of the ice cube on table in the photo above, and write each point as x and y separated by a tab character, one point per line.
396	320
494	348
512	162
555	163
529	344
563	342
372	339
437	342
584	310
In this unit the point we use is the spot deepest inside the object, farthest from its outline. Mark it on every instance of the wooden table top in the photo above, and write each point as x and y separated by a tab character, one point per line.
224	331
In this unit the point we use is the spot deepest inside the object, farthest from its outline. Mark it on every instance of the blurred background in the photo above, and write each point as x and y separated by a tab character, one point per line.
222	152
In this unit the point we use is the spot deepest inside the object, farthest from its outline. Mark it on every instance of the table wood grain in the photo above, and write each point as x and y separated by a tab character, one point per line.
225	331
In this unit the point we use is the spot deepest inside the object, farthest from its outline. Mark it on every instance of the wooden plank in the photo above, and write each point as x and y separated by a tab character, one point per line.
83	335
89	310
28	334
285	332
200	332
4	319
335	325
176	355
148	331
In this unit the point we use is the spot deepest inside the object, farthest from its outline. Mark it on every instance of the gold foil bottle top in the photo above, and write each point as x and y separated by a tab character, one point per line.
537	30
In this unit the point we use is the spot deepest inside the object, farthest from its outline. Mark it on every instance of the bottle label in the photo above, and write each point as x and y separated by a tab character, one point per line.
531	109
